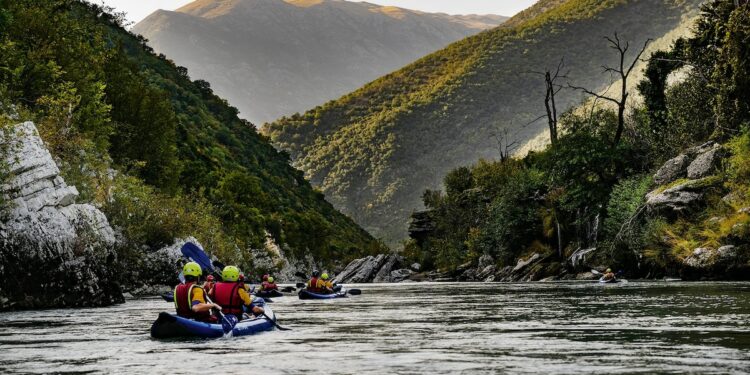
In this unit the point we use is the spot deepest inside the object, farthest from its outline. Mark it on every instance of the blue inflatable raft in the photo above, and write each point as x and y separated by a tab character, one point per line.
305	294
170	325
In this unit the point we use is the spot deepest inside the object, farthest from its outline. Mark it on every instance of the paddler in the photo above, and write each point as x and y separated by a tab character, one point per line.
209	284
268	285
326	284
189	297
608	275
231	294
313	285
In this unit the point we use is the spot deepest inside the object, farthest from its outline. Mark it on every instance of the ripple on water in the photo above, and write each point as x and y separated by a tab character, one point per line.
566	328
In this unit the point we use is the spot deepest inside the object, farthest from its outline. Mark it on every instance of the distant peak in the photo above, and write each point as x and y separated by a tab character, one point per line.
304	3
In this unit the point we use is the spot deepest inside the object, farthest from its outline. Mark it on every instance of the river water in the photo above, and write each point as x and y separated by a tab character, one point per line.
553	328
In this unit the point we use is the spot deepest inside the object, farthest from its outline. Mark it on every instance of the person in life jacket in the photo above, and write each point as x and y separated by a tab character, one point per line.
189	298
231	294
314	282
608	275
209	284
268	285
326	284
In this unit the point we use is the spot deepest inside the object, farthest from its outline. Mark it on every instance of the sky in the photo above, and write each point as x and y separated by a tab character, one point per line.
138	9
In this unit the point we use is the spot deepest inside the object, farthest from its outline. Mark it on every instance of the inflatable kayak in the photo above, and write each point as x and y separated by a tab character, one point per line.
612	281
170	325
269	294
305	294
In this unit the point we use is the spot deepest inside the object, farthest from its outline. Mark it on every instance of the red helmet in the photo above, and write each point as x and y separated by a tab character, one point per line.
210	278
265	277
242	278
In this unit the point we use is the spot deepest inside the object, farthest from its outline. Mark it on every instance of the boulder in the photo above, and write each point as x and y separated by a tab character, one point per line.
415	267
485	261
398	276
680	198
370	269
705	163
672	170
50	244
726	262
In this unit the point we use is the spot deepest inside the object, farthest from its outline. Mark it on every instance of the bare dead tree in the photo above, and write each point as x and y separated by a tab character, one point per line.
552	88
622	71
505	145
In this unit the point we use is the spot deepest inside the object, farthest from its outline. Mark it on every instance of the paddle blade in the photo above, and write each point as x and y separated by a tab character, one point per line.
595	272
354	292
289	289
169	297
181	276
228	322
192	251
300	285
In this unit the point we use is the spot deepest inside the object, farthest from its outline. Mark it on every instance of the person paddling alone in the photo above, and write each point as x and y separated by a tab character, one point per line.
608	275
189	298
231	294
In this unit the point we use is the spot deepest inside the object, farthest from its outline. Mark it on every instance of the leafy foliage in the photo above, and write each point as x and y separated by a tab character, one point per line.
186	163
373	151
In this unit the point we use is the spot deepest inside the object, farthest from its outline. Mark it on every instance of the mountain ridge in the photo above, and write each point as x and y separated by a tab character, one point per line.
374	151
273	58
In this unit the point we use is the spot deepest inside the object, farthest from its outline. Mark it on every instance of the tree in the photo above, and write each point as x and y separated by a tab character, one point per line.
622	70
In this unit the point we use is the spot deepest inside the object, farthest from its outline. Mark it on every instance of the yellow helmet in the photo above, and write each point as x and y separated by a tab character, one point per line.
609	270
230	274
192	269
270	279
324	276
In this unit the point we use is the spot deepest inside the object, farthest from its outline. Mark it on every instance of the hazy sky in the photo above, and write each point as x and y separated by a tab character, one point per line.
139	9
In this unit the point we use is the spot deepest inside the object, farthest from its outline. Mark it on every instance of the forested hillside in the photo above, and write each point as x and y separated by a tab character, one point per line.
272	58
670	198
162	155
374	151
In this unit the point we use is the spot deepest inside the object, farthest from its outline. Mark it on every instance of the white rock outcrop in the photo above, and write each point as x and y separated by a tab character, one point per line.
50	244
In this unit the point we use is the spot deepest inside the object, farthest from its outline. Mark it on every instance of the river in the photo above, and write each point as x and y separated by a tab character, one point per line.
552	328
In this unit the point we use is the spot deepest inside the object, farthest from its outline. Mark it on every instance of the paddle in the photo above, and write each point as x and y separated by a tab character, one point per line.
275	324
192	251
227	324
354	292
289	289
300	285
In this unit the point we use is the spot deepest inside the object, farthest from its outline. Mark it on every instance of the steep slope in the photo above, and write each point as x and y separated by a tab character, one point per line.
184	163
271	58
376	150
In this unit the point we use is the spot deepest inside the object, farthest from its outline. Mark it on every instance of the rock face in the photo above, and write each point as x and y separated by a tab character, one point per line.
671	170
706	161
682	197
55	253
727	262
382	268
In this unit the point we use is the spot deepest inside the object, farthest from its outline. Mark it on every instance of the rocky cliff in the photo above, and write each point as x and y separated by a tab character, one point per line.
53	251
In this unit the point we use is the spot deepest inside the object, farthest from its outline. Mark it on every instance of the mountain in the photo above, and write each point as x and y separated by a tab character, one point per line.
374	151
272	58
161	155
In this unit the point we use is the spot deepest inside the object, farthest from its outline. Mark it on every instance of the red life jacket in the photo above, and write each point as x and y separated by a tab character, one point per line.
227	295
312	285
183	302
271	286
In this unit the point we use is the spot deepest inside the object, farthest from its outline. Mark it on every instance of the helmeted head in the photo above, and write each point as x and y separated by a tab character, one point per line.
609	270
270	279
192	269
210	278
230	274
324	276
241	278
265	277
316	273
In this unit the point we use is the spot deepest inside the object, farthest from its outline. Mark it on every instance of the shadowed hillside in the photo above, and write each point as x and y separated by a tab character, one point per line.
376	150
